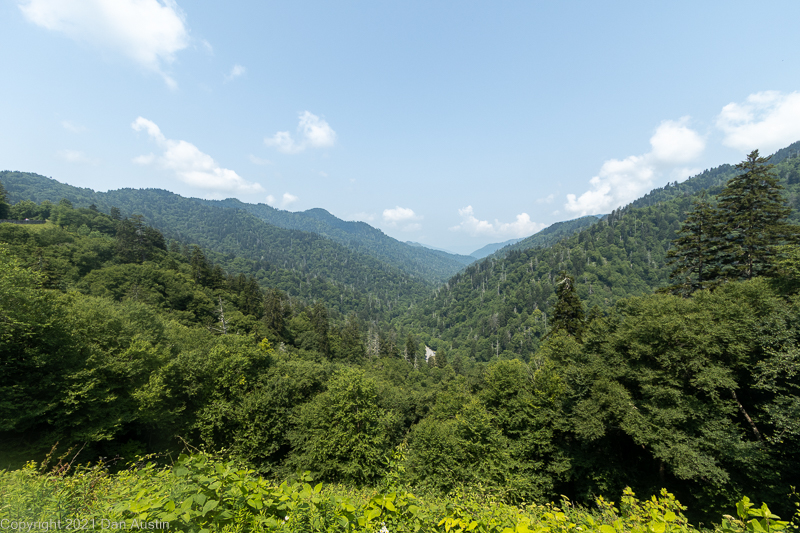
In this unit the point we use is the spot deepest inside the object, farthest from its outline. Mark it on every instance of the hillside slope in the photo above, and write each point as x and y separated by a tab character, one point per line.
501	304
431	265
301	263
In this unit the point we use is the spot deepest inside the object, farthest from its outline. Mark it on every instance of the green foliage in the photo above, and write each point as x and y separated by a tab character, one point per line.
352	277
568	312
737	238
5	208
343	433
200	493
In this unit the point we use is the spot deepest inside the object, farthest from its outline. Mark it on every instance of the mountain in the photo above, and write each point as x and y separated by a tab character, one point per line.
501	304
465	258
430	266
434	266
303	264
489	249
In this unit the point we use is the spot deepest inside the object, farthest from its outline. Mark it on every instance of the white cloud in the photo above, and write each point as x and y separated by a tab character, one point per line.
399	214
621	181
288	199
76	156
258	161
149	32
190	164
403	217
236	71
314	132
323	174
766	121
270	200
673	143
71	126
523	226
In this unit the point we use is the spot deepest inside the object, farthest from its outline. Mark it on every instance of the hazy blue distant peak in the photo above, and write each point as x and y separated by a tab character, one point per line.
489	249
429	247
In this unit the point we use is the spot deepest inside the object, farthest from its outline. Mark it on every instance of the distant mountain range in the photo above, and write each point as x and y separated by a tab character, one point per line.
176	215
179	216
489	249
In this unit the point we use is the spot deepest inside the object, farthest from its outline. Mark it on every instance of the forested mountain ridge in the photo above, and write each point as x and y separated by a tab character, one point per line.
114	338
549	235
489	249
431	265
500	306
302	264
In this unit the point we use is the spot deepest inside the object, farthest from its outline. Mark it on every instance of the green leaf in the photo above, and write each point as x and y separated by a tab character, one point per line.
209	506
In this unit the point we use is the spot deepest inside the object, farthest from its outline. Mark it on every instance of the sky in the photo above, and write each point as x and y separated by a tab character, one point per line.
452	124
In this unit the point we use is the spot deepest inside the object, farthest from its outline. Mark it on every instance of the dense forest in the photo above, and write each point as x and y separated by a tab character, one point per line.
655	347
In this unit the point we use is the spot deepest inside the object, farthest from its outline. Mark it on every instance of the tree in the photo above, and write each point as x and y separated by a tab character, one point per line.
319	319
352	346
4	205
275	312
694	252
753	218
410	350
344	434
568	314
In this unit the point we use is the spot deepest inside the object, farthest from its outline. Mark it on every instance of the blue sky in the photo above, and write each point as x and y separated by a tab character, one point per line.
453	124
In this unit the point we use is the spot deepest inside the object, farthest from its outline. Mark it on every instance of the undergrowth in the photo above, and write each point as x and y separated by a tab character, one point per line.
201	493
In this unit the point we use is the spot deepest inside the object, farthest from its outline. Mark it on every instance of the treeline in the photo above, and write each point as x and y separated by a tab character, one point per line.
697	394
500	307
557	370
301	264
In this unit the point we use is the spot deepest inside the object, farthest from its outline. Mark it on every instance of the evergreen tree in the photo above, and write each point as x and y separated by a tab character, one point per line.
275	312
352	346
319	319
4	205
410	350
753	217
694	252
568	314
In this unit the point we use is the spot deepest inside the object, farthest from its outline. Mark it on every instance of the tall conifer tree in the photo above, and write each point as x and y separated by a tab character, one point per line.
753	218
694	252
5	208
568	314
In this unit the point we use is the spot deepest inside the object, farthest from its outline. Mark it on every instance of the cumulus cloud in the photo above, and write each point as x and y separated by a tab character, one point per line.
620	181
399	214
189	164
523	226
286	200
236	71
403	217
150	32
674	143
766	121
76	156
313	132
